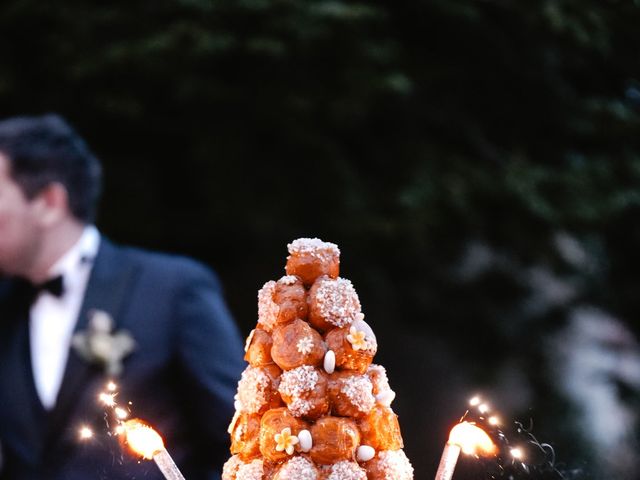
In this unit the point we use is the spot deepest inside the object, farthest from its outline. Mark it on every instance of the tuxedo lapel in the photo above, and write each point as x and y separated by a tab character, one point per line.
109	283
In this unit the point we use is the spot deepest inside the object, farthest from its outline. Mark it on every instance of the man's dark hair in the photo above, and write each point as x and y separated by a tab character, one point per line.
45	149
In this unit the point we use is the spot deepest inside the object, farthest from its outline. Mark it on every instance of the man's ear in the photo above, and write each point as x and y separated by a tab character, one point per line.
52	203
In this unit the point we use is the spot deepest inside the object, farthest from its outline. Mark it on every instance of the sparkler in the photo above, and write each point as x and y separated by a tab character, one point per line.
513	454
145	441
108	399
142	439
85	433
465	437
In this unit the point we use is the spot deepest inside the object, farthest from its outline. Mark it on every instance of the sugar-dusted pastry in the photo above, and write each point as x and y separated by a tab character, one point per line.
389	464
333	303
258	389
297	344
258	348
230	467
350	394
310	258
354	346
334	439
380	429
343	470
281	302
279	434
252	470
291	297
268	309
256	469
297	468
304	390
381	389
245	433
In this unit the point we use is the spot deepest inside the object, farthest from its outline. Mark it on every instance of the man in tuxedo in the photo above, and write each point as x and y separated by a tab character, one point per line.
77	311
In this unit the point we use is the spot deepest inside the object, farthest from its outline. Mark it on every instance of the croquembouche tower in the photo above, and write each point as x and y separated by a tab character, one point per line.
311	405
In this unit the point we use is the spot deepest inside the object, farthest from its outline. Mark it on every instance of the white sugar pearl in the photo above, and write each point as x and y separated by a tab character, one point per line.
385	398
329	361
306	442
365	453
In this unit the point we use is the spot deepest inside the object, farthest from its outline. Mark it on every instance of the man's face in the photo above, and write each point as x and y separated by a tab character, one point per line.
20	236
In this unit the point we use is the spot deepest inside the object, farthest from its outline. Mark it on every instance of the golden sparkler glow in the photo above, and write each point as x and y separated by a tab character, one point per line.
109	399
85	433
494	420
483	408
471	439
142	439
517	453
121	413
112	387
474	401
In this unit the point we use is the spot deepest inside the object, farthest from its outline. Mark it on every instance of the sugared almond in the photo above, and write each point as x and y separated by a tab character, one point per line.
329	361
306	442
365	453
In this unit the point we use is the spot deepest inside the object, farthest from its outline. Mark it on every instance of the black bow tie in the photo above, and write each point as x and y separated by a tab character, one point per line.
55	286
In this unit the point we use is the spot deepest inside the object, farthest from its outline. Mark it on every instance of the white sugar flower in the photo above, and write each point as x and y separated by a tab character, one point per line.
285	441
357	339
305	345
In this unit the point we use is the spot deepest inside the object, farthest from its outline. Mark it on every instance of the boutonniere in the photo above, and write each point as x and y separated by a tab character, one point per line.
99	344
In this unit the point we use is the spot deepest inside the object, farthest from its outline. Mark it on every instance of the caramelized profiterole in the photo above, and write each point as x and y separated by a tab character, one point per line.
311	405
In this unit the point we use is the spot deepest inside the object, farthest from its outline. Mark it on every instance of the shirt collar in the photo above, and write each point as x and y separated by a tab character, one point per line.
86	248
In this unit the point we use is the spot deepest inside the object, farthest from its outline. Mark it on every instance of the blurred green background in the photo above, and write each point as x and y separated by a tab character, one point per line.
477	162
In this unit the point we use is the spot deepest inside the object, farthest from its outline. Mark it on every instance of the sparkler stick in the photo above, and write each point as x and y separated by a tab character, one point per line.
448	461
145	441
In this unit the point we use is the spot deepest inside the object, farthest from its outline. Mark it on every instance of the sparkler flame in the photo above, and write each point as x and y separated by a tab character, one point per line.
108	399
517	454
142	439
85	433
121	413
471	439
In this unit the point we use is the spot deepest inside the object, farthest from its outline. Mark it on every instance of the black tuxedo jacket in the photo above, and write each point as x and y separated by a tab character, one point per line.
181	377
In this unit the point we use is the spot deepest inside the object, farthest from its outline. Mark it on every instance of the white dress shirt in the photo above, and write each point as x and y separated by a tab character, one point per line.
52	319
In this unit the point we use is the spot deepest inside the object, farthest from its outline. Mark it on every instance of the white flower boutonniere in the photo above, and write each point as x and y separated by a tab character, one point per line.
101	345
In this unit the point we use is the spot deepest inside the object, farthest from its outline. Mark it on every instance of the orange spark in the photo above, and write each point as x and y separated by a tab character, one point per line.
466	437
85	433
471	439
121	413
517	453
142	439
109	399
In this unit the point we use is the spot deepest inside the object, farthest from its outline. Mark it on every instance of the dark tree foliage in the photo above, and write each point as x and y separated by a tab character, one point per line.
409	133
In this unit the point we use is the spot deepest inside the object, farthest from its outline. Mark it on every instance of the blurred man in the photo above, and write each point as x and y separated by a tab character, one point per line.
77	311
